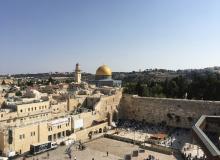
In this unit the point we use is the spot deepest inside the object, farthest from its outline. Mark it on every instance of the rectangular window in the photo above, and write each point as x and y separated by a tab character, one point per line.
54	136
50	138
59	135
32	134
67	133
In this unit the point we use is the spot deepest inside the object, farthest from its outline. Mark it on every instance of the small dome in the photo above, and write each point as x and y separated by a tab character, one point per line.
104	70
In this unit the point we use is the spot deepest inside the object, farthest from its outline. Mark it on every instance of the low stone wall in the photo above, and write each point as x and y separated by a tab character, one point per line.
123	139
160	149
83	134
152	147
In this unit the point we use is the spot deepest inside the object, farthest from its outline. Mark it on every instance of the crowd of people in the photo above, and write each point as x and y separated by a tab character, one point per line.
190	157
141	126
175	138
150	157
192	152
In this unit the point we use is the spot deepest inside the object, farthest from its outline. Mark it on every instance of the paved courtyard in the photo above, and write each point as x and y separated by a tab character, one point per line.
97	149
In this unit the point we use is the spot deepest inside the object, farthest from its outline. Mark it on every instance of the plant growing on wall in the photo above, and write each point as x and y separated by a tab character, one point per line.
169	115
190	119
177	119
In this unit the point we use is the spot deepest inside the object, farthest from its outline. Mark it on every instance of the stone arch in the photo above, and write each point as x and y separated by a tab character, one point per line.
90	135
105	129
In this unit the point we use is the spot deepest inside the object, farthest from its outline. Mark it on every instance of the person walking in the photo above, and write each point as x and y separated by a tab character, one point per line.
107	153
48	155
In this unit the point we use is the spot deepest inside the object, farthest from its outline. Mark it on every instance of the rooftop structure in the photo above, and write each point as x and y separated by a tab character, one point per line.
204	124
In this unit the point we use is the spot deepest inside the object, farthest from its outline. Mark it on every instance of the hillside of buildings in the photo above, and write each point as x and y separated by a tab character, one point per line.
183	84
67	108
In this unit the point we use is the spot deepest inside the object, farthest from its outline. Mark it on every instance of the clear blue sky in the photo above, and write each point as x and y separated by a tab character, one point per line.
52	35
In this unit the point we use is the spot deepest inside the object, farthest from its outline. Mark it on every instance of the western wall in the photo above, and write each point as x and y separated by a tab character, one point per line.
172	112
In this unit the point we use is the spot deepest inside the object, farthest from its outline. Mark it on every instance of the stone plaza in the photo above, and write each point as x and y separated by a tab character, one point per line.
98	149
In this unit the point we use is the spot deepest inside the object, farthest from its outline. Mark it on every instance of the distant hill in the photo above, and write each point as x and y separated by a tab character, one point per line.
159	75
146	75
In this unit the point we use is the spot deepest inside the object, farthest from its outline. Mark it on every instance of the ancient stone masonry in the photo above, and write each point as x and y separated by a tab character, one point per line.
173	112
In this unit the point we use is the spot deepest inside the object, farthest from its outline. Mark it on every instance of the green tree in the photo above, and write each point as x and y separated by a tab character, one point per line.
3	82
30	83
18	93
139	89
50	80
157	90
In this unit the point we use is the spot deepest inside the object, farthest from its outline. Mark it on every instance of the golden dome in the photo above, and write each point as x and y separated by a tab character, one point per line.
104	70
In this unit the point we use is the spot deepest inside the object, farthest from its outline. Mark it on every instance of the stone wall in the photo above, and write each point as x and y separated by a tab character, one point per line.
75	102
108	105
173	112
91	102
2	99
88	118
60	107
83	134
2	140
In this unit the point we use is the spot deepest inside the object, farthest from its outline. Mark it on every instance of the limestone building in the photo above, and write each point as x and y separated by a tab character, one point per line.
28	121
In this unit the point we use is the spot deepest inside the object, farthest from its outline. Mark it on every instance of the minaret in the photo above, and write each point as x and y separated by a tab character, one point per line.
77	74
